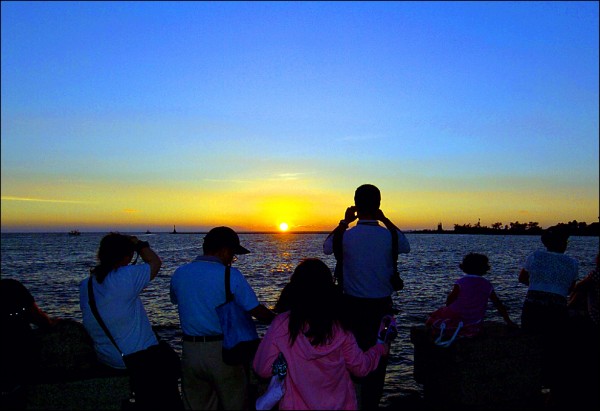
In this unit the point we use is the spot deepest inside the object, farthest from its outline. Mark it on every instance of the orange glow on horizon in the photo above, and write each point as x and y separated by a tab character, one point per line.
307	210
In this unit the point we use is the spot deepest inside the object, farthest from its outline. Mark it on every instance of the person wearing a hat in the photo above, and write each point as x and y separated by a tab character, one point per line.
197	288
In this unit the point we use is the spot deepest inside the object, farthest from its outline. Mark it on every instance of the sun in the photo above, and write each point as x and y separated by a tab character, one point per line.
283	227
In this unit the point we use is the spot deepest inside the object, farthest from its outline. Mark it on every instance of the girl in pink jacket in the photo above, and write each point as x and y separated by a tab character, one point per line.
321	354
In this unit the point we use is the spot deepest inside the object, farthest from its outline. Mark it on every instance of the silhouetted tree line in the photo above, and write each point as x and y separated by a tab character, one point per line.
529	228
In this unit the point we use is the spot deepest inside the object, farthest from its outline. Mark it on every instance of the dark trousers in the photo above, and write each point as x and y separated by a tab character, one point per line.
549	320
154	378
363	317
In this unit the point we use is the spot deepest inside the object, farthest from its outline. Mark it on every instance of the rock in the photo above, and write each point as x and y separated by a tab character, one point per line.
66	351
68	375
500	369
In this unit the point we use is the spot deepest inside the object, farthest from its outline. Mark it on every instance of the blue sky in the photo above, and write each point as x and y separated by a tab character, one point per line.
148	114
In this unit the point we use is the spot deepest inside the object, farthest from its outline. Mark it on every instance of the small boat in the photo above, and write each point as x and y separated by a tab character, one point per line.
74	232
174	231
148	232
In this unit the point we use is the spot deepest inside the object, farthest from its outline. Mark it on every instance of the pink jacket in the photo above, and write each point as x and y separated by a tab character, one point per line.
317	377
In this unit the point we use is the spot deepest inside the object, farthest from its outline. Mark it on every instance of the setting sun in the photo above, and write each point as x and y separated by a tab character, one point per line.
283	227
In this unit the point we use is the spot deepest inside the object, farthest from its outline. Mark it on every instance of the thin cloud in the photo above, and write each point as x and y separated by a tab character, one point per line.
41	200
288	176
277	177
224	180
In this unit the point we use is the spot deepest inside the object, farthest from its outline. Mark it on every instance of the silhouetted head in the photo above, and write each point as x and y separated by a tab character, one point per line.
312	300
367	199
222	238
476	264
15	301
114	249
311	278
556	239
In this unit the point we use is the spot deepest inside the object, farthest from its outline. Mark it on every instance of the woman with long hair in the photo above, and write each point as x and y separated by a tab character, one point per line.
115	285
320	352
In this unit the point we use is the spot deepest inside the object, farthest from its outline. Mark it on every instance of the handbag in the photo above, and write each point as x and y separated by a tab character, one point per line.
276	388
240	339
446	325
156	357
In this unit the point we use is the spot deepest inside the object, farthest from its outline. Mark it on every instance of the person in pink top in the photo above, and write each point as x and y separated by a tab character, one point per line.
320	352
469	297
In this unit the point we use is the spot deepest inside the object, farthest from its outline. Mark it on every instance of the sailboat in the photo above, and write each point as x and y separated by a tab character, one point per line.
174	231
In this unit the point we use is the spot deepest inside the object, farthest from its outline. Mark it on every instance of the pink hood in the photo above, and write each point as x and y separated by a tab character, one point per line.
318	377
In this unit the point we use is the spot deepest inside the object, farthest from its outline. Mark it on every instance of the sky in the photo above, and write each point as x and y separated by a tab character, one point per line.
135	116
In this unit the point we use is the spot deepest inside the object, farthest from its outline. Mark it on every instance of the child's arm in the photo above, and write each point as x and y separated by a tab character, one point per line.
453	295
501	309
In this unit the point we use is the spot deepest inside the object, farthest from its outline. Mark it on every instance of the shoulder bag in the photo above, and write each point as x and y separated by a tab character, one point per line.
240	339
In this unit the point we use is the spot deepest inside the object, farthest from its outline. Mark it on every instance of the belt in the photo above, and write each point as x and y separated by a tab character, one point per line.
204	338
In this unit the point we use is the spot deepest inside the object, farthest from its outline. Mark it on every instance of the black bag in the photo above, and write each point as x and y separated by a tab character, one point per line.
241	353
156	357
397	281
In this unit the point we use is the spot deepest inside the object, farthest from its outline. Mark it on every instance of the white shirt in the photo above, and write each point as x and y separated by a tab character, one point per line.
551	272
121	309
368	265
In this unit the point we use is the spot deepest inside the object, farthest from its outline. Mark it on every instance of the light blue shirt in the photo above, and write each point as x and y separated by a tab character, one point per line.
121	309
197	288
368	265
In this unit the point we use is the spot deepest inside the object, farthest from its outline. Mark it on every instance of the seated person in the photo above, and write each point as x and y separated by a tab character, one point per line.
19	349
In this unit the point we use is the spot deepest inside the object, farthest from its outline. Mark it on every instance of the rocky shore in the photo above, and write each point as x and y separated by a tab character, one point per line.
498	371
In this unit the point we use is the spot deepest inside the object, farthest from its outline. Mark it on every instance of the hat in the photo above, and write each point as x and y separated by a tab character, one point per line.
224	237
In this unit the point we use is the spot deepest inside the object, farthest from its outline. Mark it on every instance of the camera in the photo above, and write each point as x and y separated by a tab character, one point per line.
387	330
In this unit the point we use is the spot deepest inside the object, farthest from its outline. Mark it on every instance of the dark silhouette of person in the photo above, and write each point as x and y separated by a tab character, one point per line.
368	267
550	276
20	350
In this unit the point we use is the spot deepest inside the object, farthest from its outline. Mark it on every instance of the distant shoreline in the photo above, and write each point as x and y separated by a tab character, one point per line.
436	232
498	232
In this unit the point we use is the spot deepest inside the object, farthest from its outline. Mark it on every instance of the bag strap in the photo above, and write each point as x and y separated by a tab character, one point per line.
338	252
439	342
92	302
394	234
397	281
228	293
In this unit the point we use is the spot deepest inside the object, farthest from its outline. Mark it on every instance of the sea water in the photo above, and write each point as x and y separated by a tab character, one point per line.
51	266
